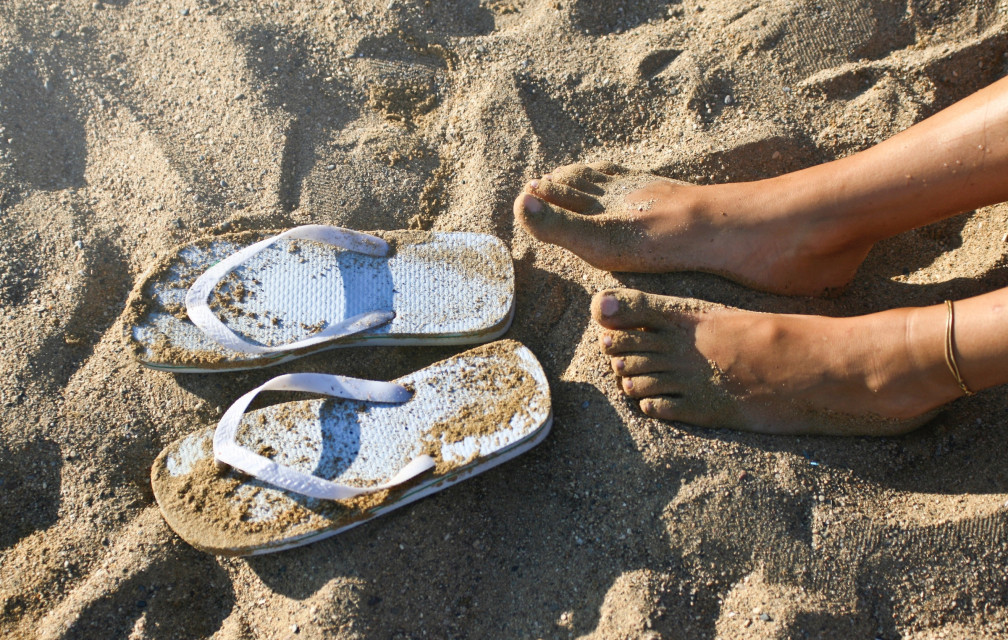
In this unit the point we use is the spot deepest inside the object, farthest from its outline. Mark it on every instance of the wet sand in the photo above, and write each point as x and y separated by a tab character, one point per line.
129	127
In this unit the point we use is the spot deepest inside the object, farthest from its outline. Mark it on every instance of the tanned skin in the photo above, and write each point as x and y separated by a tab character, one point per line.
802	233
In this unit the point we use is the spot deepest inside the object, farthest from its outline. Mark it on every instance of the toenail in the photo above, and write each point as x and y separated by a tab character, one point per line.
628	383
532	203
646	405
606	340
618	364
548	176
534	184
608	305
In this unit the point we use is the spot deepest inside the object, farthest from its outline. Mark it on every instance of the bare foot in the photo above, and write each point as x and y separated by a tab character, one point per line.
755	233
709	365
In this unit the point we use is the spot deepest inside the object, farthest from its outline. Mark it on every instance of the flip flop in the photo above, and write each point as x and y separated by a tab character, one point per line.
214	305
297	472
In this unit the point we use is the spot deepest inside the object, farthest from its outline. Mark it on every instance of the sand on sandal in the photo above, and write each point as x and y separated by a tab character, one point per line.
129	127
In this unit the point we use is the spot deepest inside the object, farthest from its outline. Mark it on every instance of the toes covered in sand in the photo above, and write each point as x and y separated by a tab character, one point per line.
608	168
544	221
623	342
594	172
641	363
623	309
557	225
566	196
583	177
677	409
651	350
655	384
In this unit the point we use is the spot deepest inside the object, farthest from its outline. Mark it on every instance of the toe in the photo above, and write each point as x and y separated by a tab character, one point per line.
629	309
621	342
580	177
584	235
657	384
526	205
607	168
543	220
562	195
635	364
676	409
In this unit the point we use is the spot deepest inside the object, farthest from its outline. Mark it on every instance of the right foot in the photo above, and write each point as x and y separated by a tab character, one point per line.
620	220
708	365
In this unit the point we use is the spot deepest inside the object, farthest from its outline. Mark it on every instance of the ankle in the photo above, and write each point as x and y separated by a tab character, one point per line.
822	224
924	382
784	234
927	329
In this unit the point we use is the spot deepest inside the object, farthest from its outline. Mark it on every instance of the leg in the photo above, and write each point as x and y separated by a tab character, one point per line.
800	233
879	374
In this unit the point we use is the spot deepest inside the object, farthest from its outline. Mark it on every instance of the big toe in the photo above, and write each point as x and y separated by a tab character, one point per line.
538	216
548	223
630	309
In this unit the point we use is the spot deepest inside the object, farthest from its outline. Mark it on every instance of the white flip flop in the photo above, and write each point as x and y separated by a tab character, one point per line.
217	304
297	472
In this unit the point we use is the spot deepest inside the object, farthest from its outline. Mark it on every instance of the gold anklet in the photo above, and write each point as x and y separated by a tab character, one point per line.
950	354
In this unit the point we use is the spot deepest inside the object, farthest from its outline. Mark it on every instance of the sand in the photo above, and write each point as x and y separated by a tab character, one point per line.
128	127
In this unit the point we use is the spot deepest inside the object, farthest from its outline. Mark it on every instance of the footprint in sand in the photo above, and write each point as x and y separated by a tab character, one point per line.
404	80
900	576
42	140
148	576
30	479
600	17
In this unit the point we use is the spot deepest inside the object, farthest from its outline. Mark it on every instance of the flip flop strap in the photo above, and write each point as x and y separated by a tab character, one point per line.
228	451
199	293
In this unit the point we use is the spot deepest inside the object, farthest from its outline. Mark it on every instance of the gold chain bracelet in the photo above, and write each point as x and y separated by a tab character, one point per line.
950	352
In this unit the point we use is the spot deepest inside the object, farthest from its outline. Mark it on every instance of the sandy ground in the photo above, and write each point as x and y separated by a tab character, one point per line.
128	127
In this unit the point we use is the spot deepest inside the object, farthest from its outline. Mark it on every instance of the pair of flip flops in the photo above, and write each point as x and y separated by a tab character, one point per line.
297	472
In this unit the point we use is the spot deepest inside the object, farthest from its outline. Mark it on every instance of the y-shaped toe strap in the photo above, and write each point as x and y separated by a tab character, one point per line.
228	451
201	315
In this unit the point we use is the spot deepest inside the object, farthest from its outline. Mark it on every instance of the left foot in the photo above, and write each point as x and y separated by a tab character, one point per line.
709	365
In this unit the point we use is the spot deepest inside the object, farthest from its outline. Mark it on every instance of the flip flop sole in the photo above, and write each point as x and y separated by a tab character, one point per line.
470	412
445	289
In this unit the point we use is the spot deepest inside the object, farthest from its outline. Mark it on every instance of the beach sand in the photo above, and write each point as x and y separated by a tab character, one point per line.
128	127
